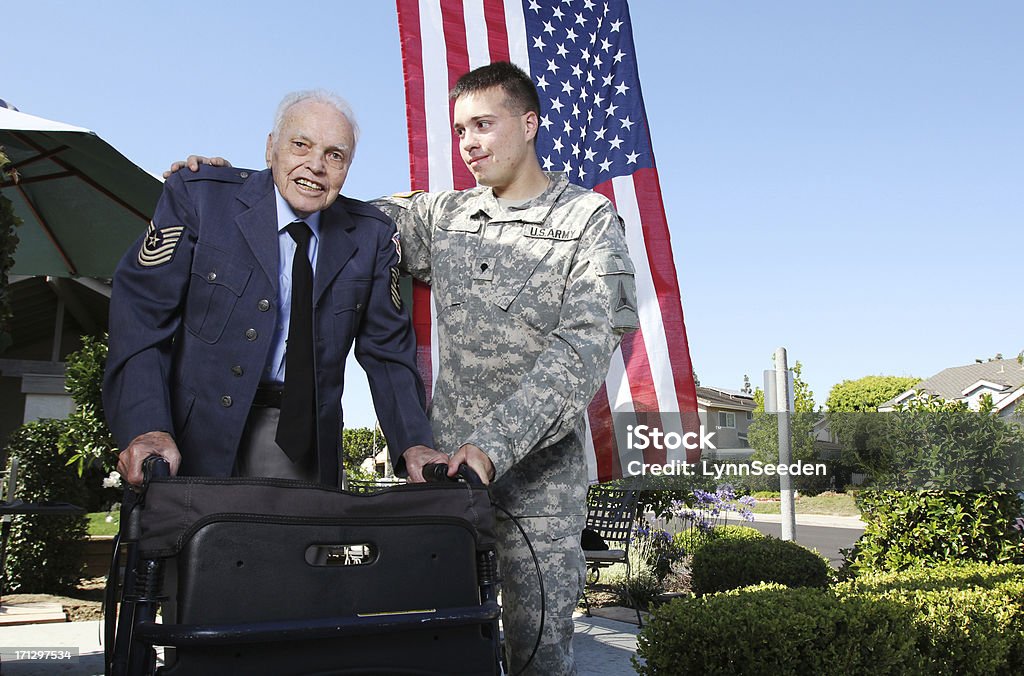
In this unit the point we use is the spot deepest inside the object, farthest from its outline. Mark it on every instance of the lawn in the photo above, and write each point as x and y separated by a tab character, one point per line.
832	504
98	524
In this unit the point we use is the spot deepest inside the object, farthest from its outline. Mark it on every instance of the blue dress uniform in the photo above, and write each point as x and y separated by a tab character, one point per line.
193	311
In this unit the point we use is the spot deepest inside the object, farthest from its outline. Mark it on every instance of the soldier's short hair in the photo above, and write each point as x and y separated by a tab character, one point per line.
319	96
520	92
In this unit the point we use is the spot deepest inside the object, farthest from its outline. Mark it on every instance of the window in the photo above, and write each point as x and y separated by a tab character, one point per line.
726	420
750	415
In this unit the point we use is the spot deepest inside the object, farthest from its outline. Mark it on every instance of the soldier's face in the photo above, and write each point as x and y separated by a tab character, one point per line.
495	142
311	156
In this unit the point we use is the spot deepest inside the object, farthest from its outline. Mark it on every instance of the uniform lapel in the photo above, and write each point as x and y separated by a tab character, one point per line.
258	223
336	247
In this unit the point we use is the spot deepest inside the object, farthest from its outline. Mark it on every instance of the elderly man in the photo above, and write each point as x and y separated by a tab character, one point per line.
534	289
232	316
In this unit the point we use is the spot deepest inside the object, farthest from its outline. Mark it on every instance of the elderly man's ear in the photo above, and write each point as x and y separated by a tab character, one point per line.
194	161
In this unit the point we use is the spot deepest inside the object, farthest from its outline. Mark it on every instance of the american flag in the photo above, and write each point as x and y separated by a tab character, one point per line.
593	127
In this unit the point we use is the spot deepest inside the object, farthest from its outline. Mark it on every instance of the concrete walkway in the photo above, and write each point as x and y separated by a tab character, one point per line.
603	647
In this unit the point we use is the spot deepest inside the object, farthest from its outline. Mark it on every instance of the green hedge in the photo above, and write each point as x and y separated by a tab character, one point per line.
968	618
771	629
965	619
727	563
44	553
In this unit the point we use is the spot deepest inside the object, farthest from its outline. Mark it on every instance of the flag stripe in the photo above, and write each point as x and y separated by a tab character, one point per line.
415	108
457	49
477	42
497	38
661	266
515	30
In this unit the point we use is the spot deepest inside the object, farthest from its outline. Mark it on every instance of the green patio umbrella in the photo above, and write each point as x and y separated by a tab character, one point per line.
81	202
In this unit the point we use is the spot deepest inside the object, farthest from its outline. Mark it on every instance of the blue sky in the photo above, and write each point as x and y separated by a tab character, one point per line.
841	178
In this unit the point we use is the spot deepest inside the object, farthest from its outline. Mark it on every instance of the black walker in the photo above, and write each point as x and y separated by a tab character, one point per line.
269	576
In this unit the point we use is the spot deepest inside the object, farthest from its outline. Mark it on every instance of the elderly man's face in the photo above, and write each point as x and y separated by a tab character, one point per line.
311	156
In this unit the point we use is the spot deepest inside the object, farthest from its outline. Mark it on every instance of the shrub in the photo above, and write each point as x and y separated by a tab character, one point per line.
691	540
45	551
964	619
904	530
657	549
640	589
86	440
967	619
724	564
771	629
658	493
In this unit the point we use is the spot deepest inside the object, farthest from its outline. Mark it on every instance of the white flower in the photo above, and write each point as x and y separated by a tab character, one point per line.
109	518
112	481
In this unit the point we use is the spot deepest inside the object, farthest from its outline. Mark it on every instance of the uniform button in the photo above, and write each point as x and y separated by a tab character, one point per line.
243	174
237	370
359	306
225	401
263	305
251	334
212	276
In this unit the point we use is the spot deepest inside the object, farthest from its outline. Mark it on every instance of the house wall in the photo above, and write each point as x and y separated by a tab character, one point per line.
726	437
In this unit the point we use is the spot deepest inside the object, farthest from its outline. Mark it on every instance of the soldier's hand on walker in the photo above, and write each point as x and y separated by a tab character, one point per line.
417	456
476	459
193	163
129	463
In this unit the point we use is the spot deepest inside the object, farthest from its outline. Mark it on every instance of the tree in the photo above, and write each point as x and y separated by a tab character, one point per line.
947	484
360	443
866	394
852	407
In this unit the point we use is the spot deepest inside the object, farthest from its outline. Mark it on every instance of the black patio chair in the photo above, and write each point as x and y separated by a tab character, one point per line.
611	516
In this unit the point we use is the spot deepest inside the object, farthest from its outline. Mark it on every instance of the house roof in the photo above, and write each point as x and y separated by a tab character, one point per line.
950	383
719	398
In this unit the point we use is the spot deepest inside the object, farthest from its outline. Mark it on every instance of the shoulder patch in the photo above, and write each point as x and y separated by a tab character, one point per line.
397	239
159	245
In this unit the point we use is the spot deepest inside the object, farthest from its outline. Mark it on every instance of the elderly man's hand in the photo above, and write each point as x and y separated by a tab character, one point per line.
417	456
129	463
477	461
193	163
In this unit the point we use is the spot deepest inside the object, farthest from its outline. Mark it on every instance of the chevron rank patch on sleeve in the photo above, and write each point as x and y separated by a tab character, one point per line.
396	294
159	245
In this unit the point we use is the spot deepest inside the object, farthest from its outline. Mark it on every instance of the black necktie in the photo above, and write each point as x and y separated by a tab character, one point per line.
296	429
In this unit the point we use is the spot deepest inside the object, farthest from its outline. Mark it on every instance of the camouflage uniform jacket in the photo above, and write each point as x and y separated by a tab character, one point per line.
530	301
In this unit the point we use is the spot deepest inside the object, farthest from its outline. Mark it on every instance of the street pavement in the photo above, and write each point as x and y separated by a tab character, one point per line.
826	534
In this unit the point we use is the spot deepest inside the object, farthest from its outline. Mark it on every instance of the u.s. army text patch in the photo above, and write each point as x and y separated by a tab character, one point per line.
159	245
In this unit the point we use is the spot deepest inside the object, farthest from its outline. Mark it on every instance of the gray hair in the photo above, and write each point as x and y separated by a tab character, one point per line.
320	96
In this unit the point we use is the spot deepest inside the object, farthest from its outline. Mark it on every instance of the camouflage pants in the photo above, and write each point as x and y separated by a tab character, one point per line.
556	541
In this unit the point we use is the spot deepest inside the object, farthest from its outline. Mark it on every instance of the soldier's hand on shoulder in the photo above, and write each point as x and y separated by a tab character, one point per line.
194	161
129	463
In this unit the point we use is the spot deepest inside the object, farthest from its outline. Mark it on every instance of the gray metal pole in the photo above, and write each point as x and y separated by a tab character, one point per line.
785	447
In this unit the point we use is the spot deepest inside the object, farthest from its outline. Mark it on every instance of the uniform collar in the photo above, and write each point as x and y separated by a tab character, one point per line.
287	215
534	211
